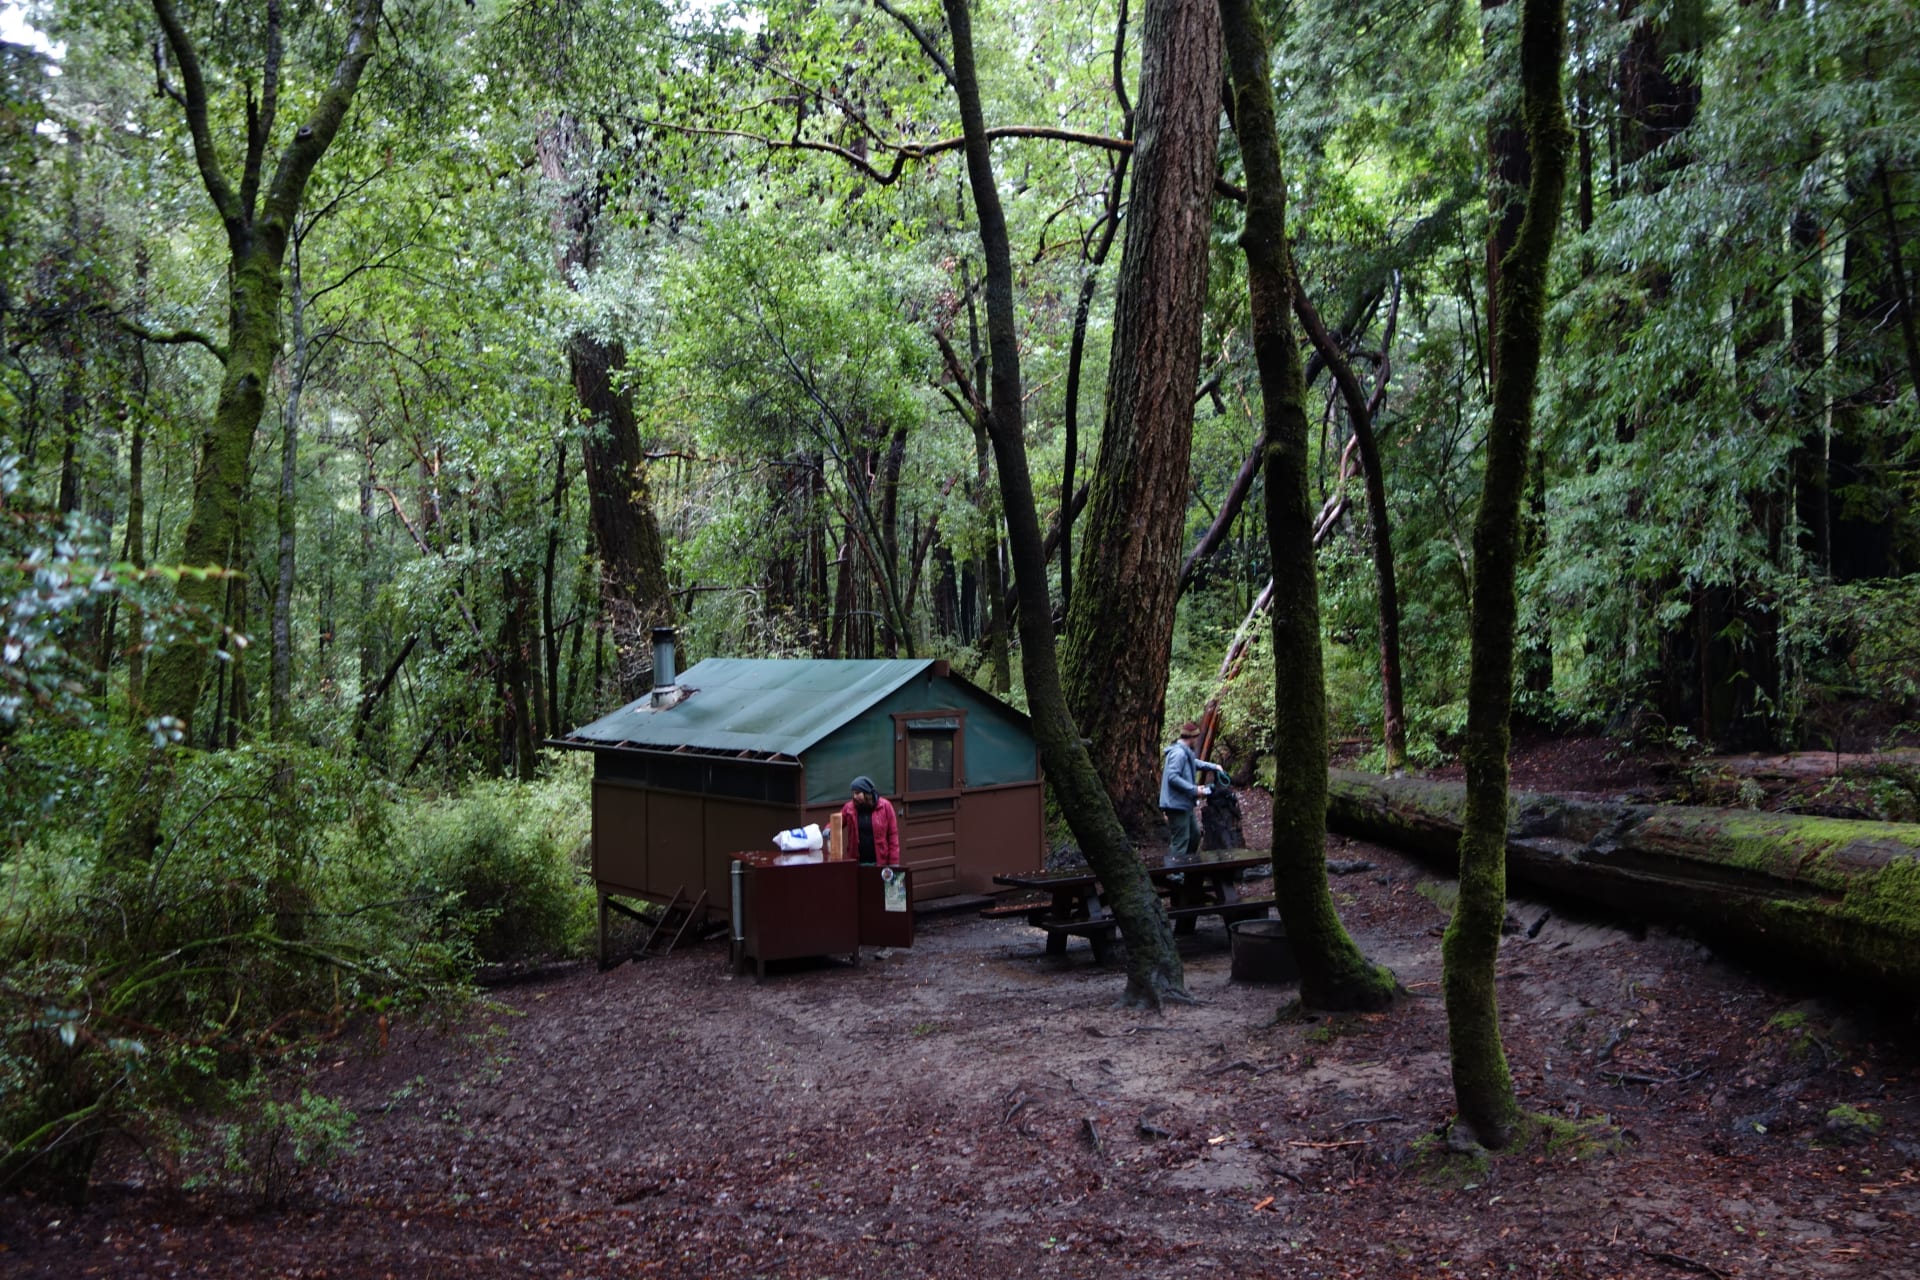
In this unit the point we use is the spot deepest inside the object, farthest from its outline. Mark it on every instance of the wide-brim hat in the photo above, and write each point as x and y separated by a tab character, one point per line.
1189	730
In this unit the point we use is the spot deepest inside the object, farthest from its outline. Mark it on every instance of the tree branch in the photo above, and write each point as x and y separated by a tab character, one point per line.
313	138
927	46
902	152
172	337
260	122
193	100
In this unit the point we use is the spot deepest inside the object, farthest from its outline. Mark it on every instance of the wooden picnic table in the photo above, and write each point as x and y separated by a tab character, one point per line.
1204	883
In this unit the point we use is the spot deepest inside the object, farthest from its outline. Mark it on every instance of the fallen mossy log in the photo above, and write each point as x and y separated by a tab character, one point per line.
1840	896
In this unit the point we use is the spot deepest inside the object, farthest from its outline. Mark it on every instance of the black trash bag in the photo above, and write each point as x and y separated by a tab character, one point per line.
1220	819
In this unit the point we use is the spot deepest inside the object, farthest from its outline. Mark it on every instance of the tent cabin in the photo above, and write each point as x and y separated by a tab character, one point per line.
739	749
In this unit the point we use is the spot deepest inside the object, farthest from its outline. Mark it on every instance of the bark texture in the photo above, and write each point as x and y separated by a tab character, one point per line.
1154	971
1482	1081
1119	634
626	534
1334	974
1834	896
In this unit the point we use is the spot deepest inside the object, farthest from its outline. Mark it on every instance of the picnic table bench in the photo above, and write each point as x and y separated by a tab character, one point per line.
1069	903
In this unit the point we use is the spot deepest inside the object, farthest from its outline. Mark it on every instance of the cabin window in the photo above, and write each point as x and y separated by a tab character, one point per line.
930	756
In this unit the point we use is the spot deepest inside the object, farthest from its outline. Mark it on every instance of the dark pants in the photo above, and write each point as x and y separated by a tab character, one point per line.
1183	833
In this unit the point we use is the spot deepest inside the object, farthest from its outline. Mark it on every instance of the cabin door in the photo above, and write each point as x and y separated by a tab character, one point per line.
928	770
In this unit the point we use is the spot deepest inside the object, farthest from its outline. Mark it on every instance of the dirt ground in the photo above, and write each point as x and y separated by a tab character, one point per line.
972	1108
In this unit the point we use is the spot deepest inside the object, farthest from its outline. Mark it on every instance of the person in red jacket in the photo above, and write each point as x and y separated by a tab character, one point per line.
871	825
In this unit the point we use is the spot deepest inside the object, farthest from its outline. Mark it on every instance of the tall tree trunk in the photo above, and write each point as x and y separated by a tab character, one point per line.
549	621
257	227
1808	353
1508	170
1658	98
280	691
1119	635
993	616
372	733
137	554
1090	279
234	633
1482	1082
1154	971
517	671
1334	974
633	586
1902	289
1360	415
582	624
899	636
1507	175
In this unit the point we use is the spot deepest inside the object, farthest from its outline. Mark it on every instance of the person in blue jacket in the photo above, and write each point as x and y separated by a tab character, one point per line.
1180	790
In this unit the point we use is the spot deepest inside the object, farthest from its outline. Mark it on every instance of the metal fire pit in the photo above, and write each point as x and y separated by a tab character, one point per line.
1261	951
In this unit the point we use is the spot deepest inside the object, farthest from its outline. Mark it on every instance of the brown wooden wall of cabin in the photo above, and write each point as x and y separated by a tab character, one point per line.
649	843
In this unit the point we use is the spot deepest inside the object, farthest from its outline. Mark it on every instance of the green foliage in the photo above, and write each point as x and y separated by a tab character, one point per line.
1846	1124
1571	1141
1246	706
1444	1166
800	353
56	577
776	302
1713	317
270	915
267	1145
496	863
1859	648
66	1081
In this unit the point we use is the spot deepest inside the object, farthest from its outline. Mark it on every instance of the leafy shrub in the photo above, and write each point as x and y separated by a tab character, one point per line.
267	1145
65	1083
497	861
266	919
1859	644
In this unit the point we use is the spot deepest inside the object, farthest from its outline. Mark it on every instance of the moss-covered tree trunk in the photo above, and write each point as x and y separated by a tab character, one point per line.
1334	974
1820	895
286	516
1154	971
1482	1083
258	225
1119	635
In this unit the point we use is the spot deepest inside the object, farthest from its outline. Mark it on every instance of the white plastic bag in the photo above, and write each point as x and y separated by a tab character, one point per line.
807	837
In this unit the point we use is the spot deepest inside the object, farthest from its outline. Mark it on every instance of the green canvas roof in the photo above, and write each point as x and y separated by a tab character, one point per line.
773	706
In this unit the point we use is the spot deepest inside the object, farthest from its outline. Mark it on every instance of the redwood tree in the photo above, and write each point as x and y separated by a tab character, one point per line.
1120	621
626	533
